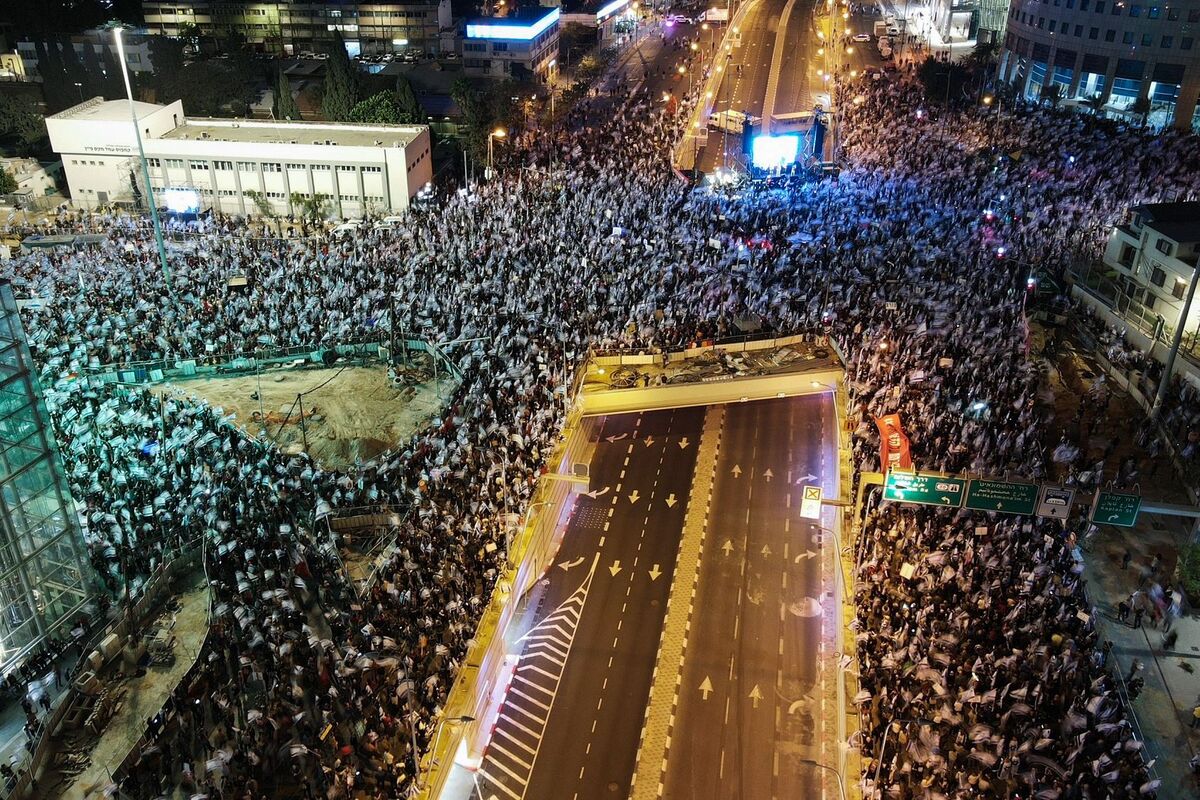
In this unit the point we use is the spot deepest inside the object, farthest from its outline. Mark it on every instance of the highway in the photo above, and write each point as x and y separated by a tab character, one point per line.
569	725
743	82
758	684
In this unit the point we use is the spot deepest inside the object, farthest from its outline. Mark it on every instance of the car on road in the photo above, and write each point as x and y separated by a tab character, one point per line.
678	19
862	37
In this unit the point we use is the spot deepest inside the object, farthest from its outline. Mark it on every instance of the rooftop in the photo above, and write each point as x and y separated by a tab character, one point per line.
523	23
345	134
1177	221
97	109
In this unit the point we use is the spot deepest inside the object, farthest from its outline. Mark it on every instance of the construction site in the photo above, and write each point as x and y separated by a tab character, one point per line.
340	415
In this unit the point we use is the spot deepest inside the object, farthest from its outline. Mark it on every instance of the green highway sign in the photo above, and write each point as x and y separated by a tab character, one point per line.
928	490
1111	508
1010	498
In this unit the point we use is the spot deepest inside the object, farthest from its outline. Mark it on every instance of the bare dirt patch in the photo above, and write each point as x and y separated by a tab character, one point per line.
352	414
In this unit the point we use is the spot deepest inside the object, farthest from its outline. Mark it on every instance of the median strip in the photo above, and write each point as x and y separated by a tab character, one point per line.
672	646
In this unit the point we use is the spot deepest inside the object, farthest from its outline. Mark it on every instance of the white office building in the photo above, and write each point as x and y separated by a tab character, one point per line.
213	164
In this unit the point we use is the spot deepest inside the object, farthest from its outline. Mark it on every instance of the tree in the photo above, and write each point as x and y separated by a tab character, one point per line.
341	89
265	208
166	56
1095	103
59	92
97	81
310	208
284	106
943	82
1051	93
379	109
211	89
410	108
73	72
8	184
1142	107
21	121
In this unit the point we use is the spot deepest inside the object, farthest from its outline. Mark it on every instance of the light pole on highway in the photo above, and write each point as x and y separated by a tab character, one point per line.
137	135
836	774
499	133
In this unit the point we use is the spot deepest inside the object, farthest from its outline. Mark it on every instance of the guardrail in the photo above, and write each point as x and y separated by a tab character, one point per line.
154	371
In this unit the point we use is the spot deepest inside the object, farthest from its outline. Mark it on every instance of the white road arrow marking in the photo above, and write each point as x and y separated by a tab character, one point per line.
766	551
805	554
671	501
654	573
683	443
649	441
755	695
796	706
768	475
615	568
594	493
727	547
611	439
633	498
808	607
566	565
705	688
737	471
806	479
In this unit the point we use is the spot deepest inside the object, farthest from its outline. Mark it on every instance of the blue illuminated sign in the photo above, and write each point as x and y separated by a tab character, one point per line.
772	152
614	6
501	30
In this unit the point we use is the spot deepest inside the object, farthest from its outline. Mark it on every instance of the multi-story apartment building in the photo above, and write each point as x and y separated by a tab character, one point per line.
523	44
91	45
1109	52
296	27
1149	264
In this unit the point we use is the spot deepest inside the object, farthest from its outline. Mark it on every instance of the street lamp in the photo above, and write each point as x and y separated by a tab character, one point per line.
499	133
838	775
137	133
79	86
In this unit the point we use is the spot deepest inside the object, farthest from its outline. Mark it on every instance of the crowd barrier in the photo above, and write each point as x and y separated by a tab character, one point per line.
232	364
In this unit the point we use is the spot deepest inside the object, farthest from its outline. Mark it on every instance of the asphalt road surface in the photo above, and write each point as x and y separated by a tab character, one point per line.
572	717
757	690
743	84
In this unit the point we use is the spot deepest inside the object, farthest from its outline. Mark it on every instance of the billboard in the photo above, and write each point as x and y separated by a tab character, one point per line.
181	201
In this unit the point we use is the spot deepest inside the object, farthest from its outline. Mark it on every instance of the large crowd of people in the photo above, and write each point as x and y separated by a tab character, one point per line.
979	671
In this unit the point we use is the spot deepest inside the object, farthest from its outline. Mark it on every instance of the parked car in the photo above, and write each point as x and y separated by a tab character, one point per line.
862	37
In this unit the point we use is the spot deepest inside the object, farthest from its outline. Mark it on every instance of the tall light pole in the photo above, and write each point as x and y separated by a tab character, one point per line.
836	774
137	133
79	86
499	133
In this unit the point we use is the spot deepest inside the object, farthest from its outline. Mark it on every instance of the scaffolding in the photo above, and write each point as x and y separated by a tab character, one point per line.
42	578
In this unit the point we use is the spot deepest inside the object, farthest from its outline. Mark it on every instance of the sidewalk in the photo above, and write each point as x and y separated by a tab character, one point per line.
1162	712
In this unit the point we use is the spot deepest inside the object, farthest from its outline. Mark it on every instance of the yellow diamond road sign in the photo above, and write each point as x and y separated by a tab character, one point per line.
810	506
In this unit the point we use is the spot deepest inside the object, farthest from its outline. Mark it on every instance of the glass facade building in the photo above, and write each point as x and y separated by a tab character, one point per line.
42	580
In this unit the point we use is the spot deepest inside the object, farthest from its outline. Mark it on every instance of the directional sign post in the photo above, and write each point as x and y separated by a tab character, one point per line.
928	490
1055	502
1111	508
1009	498
810	506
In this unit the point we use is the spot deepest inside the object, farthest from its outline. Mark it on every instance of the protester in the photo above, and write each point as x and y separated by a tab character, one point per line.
977	672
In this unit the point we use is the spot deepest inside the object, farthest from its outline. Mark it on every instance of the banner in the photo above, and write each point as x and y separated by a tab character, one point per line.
894	451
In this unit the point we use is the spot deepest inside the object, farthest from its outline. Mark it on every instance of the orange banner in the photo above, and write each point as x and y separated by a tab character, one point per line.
894	450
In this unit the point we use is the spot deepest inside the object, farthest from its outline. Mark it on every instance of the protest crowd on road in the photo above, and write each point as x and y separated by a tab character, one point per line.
981	674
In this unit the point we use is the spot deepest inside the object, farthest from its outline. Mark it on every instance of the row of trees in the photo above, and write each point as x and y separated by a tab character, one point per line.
345	98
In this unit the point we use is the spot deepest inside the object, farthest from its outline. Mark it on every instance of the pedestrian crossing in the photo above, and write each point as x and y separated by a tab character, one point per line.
513	749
